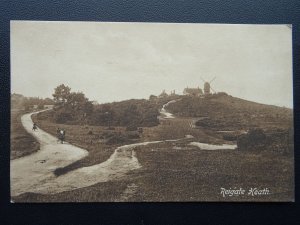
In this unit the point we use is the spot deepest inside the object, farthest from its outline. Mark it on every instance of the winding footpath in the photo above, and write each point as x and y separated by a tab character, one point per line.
34	173
164	113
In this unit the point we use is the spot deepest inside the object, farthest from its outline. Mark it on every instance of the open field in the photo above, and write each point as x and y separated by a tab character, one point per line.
175	171
173	174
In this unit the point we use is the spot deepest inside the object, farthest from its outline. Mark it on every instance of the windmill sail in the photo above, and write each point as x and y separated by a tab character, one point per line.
207	86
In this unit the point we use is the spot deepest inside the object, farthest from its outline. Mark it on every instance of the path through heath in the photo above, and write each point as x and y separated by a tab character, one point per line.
34	173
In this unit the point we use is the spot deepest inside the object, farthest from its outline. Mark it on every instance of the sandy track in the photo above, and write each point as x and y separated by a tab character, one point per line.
164	113
29	172
34	173
205	146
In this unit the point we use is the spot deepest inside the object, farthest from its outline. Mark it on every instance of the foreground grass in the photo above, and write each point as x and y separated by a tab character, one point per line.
104	192
21	142
173	174
173	171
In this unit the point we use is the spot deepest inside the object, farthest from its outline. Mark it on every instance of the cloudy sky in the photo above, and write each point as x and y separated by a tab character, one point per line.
118	61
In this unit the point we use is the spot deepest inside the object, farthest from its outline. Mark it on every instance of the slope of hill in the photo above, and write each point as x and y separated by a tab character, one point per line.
222	111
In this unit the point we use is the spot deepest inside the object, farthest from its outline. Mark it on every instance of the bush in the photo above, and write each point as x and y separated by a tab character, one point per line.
116	139
126	113
257	135
133	135
204	123
62	117
230	137
131	128
44	115
255	139
40	106
281	141
107	134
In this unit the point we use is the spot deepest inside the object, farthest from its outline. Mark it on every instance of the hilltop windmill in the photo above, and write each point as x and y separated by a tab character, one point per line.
207	86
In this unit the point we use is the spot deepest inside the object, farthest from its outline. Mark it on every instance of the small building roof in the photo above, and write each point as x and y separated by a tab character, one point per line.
193	91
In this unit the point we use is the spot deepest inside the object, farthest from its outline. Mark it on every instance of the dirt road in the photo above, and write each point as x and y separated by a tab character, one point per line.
29	172
164	114
34	173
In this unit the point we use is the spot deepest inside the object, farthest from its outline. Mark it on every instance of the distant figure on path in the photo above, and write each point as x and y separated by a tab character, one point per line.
34	128
62	136
58	134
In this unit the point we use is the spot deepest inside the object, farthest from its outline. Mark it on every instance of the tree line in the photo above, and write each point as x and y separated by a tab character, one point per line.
76	108
29	103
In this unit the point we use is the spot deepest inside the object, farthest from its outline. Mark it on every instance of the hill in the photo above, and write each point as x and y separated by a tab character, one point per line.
222	111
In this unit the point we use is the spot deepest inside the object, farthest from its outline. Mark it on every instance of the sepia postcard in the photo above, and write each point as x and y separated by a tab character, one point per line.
151	112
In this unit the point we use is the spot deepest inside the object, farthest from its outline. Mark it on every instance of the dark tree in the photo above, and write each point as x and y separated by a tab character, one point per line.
71	106
61	95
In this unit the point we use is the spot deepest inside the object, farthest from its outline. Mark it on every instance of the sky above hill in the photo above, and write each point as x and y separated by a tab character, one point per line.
117	61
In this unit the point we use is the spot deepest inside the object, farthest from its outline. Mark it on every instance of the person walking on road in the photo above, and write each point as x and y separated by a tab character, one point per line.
34	127
62	134
58	134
